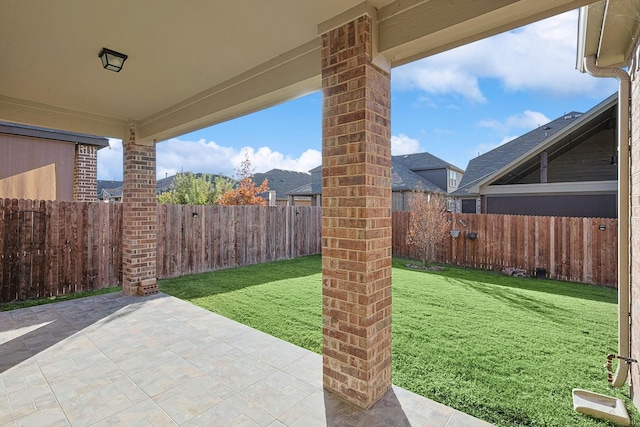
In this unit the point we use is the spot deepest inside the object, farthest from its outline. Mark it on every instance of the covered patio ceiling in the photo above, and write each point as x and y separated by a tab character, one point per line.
199	63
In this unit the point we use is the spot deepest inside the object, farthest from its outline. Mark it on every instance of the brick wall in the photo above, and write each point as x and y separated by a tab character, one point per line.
85	185
139	217
635	226
356	223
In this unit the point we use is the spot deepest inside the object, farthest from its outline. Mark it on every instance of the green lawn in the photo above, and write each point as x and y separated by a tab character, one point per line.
507	350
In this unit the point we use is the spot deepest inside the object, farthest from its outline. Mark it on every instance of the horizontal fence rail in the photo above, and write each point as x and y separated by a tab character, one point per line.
572	249
50	248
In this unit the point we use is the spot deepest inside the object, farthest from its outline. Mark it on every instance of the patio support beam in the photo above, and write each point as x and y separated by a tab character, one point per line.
356	214
139	216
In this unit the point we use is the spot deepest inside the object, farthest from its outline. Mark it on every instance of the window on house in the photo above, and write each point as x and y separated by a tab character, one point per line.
453	180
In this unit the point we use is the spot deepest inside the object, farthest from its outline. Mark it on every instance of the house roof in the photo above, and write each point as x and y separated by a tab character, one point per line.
282	181
403	177
57	135
109	189
566	130
423	161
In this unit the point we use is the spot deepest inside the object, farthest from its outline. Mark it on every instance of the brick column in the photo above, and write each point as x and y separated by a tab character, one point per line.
85	185
634	259
356	216
139	218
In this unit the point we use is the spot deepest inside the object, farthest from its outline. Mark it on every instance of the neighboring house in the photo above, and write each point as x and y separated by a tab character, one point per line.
110	191
564	168
409	173
281	182
46	164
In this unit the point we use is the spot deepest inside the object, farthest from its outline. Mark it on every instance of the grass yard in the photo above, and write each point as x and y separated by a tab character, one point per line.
506	350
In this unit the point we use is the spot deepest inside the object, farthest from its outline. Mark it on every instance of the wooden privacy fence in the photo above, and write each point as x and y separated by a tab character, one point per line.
573	249
55	248
193	239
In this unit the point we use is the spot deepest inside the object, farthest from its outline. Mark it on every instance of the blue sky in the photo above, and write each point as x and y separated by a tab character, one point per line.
454	105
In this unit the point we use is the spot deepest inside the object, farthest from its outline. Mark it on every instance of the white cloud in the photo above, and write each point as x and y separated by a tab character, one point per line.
527	120
444	79
483	148
177	155
402	144
109	165
539	57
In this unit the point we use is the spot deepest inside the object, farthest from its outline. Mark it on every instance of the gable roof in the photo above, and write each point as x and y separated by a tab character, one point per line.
423	161
282	181
495	163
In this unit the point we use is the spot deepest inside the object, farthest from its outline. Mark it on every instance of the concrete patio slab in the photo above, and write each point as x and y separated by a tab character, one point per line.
114	360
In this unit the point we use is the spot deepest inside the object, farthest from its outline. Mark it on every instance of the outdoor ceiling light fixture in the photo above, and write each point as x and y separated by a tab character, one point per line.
112	60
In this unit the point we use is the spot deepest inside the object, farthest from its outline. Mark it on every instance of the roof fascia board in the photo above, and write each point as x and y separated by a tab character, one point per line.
580	121
41	115
51	134
592	187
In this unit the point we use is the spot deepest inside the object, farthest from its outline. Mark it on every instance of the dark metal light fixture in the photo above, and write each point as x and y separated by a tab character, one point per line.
112	60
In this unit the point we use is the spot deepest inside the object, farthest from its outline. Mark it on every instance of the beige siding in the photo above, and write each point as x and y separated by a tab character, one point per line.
33	168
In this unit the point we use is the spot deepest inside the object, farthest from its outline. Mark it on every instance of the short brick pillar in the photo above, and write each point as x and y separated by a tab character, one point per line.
356	216
139	216
85	184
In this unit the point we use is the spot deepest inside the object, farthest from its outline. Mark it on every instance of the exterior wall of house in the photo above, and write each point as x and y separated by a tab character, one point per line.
589	161
36	168
635	226
595	205
85	171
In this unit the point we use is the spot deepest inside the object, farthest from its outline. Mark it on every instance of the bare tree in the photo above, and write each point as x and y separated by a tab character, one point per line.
428	225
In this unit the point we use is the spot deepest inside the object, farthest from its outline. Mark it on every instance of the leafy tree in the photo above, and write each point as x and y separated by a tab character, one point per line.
247	192
190	189
428	226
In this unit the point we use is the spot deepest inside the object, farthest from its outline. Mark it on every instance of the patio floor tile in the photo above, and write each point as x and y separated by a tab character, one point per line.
113	360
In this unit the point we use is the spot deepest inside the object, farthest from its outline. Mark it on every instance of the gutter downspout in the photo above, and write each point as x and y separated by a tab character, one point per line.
624	93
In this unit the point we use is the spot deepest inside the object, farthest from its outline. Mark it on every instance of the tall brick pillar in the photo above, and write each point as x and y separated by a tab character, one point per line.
356	215
85	184
139	218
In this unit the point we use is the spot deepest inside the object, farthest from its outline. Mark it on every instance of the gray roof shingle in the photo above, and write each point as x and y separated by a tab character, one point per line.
282	181
423	161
